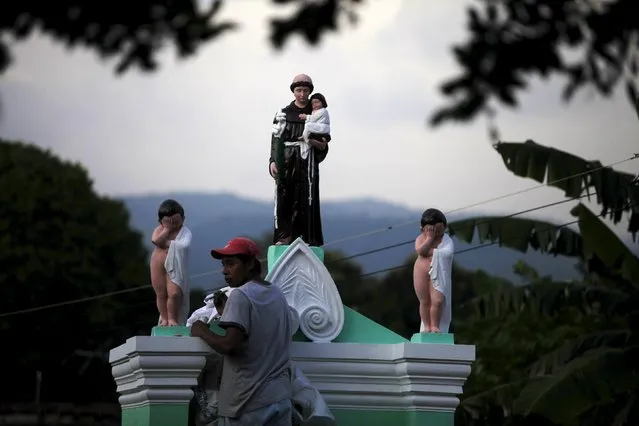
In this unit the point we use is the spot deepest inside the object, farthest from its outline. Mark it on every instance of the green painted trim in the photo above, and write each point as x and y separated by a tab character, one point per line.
183	331
275	252
173	331
434	338
350	417
360	329
157	415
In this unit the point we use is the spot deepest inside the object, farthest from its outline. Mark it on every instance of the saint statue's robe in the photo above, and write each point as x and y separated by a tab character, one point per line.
297	201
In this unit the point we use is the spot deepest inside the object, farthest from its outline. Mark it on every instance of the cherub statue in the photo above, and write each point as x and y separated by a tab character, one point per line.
169	260
432	272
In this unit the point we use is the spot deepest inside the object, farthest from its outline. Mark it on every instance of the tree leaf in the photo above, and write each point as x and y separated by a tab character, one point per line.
519	234
600	241
617	192
544	298
555	360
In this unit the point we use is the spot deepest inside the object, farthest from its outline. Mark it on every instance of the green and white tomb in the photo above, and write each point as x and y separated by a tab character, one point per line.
366	373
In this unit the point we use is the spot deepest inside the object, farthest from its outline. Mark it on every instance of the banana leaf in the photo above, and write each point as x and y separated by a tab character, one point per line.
552	362
520	234
600	242
545	298
597	377
616	192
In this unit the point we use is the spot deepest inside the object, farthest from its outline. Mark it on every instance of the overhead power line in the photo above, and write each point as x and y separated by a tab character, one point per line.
387	247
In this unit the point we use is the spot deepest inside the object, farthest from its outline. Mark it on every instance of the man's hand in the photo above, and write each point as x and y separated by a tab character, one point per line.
199	329
272	168
302	116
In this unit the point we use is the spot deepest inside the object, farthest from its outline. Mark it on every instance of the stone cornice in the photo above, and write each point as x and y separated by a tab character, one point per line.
153	370
404	376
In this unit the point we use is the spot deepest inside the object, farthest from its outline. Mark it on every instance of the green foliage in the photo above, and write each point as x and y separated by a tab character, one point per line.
60	241
616	192
510	41
135	41
560	353
151	25
519	234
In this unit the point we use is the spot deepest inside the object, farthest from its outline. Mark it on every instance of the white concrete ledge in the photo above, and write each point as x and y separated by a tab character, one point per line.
403	376
154	370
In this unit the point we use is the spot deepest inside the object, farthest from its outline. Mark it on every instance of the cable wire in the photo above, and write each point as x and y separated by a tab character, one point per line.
492	243
457	229
490	200
501	197
388	228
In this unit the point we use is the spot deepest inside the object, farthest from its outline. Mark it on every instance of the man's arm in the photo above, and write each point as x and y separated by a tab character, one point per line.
226	344
236	320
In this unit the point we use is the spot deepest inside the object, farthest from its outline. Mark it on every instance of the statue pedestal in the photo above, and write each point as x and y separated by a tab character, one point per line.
155	377
407	384
366	373
433	338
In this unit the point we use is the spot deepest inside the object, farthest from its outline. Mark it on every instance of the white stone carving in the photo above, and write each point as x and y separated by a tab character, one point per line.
402	376
150	370
310	290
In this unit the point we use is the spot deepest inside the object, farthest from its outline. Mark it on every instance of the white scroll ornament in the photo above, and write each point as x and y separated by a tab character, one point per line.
310	290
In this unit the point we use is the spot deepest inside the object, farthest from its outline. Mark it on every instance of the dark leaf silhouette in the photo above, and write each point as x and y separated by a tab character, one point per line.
512	41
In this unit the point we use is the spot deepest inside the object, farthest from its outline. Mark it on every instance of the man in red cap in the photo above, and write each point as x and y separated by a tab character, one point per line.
256	385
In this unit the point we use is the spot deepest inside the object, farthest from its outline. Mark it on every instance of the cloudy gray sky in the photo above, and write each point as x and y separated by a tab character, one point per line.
203	124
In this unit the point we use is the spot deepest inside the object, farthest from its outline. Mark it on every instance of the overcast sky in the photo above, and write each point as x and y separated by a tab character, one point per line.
203	124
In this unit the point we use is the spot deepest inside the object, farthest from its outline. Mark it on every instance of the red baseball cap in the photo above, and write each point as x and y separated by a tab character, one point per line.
237	246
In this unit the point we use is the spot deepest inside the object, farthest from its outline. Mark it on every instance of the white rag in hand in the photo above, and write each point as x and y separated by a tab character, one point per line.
208	312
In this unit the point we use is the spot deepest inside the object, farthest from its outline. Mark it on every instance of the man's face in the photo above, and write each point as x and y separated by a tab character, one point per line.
235	271
301	94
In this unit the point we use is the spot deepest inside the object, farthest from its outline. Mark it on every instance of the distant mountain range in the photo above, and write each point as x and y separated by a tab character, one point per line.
215	218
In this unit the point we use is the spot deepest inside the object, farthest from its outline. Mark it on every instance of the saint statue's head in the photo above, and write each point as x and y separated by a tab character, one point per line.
433	217
302	87
170	208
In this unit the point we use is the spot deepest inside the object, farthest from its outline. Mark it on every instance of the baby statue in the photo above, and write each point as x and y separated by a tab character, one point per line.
169	259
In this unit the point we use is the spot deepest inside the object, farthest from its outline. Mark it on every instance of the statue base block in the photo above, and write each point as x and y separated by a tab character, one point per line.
407	384
155	377
434	338
172	331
